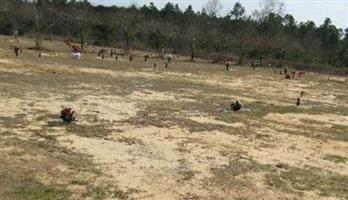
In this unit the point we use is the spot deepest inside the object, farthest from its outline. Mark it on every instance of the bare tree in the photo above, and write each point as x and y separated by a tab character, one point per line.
191	33
245	37
40	9
214	38
269	19
79	15
237	12
38	38
193	48
83	21
269	6
129	25
5	6
213	7
216	41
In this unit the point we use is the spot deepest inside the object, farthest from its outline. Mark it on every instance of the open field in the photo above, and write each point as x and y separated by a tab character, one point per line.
166	133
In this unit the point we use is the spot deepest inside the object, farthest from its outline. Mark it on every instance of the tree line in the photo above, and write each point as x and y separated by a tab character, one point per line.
268	34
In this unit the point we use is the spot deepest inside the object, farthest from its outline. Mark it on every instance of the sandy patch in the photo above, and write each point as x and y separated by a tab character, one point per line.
148	95
154	165
6	61
17	71
12	106
295	150
50	54
338	78
120	74
20	67
210	120
181	75
108	108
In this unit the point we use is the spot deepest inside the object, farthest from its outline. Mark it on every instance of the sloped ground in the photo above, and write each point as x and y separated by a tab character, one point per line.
166	133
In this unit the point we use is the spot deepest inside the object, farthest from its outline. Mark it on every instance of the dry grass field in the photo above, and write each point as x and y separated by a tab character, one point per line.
166	133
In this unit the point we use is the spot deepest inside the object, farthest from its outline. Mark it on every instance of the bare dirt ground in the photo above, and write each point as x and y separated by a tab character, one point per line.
166	133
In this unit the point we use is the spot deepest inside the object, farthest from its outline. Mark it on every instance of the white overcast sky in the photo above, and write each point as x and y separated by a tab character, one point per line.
302	10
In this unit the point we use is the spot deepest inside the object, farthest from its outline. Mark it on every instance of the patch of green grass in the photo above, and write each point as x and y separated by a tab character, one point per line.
130	140
45	117
43	134
339	132
97	191
237	167
188	175
335	158
18	182
261	110
17	153
120	194
232	175
298	179
191	196
99	131
168	114
17	121
6	133
78	182
33	190
286	178
310	129
18	176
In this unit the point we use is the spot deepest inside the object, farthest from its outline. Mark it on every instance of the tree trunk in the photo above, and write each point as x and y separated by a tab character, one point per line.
192	55
38	40
105	40
218	52
193	44
281	57
127	44
82	39
241	59
280	62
